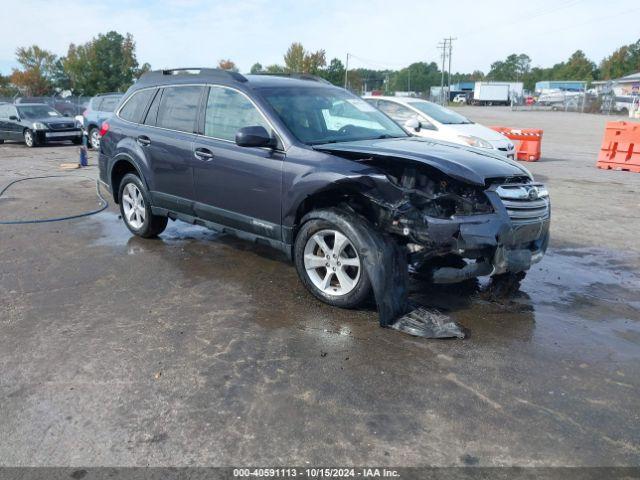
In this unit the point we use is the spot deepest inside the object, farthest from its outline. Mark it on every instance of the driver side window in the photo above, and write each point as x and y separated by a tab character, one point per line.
228	111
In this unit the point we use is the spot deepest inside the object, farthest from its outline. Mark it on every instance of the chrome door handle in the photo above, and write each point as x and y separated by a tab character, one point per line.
143	141
203	154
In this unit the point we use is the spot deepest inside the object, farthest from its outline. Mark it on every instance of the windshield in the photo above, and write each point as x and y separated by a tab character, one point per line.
37	111
440	114
329	115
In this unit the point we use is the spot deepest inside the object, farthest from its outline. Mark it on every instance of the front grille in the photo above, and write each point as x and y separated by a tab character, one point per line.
525	203
61	126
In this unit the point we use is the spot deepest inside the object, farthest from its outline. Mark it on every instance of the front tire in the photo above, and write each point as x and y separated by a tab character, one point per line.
30	139
329	259
135	209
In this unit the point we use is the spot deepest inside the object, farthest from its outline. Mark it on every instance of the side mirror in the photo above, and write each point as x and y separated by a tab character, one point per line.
13	117
255	136
428	126
412	124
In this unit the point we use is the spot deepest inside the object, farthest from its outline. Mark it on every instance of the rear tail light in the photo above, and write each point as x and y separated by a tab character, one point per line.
104	129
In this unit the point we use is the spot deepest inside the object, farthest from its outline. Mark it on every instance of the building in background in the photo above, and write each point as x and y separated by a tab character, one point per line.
622	87
560	85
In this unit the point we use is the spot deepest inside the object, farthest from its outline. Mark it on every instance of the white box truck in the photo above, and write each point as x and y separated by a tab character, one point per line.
490	93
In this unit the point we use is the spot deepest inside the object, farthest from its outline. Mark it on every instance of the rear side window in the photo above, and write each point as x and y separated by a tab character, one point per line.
179	108
4	112
109	104
228	111
136	105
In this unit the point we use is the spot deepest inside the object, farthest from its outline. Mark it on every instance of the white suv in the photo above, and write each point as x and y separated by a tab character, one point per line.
429	120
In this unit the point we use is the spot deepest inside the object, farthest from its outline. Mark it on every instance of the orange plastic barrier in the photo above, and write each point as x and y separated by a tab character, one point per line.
528	142
620	147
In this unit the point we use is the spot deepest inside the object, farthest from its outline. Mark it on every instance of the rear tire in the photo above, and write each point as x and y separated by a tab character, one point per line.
94	138
340	280
135	208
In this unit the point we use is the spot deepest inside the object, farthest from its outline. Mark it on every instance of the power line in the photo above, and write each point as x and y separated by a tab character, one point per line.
526	17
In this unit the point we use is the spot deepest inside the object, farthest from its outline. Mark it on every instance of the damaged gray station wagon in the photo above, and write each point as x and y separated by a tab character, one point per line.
317	172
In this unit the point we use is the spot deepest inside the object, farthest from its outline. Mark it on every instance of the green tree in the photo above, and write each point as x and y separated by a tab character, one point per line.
417	77
107	63
35	77
624	61
298	60
513	68
294	58
274	69
334	73
256	68
578	67
6	88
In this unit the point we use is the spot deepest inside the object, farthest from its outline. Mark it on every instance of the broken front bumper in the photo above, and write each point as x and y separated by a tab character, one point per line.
490	244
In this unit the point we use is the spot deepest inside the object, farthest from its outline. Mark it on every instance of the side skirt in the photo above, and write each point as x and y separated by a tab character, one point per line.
278	245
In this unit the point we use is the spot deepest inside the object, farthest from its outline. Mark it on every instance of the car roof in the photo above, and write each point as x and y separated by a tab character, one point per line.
225	77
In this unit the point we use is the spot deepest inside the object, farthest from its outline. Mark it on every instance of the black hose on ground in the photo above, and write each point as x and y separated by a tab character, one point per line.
55	219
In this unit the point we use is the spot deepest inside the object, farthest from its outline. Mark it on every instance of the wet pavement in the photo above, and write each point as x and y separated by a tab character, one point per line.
200	349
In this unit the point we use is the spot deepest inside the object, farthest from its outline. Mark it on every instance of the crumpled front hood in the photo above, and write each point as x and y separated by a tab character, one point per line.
462	163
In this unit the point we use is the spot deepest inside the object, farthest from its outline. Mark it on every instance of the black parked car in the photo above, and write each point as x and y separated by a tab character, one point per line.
36	124
319	173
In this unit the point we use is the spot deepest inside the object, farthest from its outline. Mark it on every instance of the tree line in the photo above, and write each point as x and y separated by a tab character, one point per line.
108	63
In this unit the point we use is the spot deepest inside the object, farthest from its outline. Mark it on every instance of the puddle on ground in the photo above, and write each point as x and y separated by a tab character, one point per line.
574	297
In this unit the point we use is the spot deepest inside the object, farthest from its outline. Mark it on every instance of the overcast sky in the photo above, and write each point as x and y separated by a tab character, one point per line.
380	34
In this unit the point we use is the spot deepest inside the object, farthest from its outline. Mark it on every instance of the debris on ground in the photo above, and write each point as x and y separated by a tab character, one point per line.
425	323
502	286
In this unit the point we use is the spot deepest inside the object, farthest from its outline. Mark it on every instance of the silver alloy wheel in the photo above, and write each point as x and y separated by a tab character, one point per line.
28	138
95	138
133	206
332	263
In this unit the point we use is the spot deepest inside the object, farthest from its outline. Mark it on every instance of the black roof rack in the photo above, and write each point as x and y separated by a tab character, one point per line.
299	76
197	71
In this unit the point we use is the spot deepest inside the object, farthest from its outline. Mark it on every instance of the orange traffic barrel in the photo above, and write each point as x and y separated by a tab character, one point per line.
528	142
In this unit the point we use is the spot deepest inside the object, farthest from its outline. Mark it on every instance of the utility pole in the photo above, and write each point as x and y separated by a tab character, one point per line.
346	72
449	79
443	45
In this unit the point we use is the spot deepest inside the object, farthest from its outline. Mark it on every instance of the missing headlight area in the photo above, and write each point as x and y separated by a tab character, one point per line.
447	231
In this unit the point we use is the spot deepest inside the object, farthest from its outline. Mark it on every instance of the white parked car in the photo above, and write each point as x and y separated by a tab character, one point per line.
429	120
